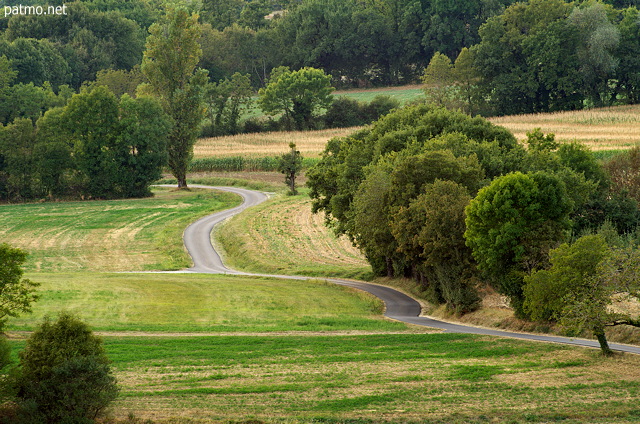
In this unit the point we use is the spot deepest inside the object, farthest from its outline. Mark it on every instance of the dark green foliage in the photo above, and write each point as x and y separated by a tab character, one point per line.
225	101
335	179
119	146
511	226
298	95
85	41
16	293
430	232
345	112
545	291
96	146
379	186
64	375
141	145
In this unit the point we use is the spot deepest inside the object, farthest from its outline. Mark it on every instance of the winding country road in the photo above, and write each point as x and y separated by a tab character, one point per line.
197	240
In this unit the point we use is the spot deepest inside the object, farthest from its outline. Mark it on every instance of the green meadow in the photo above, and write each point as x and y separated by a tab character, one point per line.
364	378
112	235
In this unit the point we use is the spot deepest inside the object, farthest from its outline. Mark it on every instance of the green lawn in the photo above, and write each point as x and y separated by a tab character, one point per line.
196	303
403	94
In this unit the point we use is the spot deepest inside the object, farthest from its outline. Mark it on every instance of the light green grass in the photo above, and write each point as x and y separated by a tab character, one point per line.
116	235
404	95
394	378
213	303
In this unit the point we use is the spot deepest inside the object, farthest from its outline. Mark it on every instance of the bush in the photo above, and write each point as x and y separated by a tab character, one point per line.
65	375
345	112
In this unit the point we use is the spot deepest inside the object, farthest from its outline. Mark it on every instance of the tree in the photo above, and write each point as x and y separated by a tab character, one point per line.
65	374
120	81
91	121
511	226
225	101
545	290
290	164
438	79
17	142
297	94
141	145
599	39
583	286
173	77
16	293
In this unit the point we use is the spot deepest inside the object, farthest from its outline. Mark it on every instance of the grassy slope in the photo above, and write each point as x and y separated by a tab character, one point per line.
197	303
118	235
302	244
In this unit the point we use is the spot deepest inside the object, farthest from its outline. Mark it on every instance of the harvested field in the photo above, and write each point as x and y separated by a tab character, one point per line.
609	128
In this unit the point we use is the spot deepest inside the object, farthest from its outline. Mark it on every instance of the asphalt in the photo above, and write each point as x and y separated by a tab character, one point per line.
398	306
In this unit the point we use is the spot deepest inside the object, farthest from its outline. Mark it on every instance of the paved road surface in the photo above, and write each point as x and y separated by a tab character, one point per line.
197	239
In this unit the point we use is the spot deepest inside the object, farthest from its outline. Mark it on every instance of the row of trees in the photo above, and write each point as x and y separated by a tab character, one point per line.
456	202
96	146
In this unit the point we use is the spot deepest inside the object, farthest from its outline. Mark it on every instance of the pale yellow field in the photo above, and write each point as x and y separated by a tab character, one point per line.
600	129
285	225
309	143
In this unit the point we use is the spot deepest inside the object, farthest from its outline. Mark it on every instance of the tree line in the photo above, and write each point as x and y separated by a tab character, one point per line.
456	202
540	55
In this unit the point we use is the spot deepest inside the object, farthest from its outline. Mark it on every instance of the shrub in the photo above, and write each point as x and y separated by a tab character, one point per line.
65	375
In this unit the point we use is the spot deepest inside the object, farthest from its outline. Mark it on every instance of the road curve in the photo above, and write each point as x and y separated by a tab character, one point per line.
398	306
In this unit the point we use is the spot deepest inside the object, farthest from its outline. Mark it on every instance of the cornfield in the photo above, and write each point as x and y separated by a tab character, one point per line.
240	163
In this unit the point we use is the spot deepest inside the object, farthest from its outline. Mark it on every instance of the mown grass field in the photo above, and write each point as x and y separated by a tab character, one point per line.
118	235
304	245
395	378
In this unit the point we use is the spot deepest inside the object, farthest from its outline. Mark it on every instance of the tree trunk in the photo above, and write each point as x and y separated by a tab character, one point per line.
602	339
389	267
182	182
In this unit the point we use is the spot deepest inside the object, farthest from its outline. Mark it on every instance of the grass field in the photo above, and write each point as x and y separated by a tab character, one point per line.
203	303
118	235
304	244
395	378
404	94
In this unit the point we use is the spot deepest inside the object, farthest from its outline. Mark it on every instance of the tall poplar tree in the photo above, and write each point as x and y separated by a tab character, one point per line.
169	63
